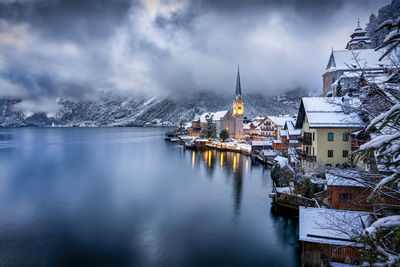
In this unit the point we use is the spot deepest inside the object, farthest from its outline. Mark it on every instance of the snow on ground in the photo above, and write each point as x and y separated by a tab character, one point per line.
282	161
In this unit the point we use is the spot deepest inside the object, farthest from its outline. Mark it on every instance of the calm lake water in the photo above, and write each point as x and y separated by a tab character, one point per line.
125	197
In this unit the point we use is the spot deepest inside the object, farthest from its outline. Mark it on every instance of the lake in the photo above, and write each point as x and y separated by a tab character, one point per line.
126	197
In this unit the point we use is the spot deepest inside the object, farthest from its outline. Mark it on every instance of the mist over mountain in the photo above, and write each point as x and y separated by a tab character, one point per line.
143	110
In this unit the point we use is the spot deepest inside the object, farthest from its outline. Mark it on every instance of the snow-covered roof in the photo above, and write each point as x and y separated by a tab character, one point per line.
346	60
277	141
290	124
280	120
295	132
338	179
328	112
246	126
269	153
282	161
215	115
329	226
261	143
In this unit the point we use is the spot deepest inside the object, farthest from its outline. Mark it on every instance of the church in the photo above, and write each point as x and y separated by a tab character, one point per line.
231	121
238	110
344	68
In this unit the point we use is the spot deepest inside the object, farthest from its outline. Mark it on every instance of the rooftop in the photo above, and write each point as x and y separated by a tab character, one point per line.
329	226
328	112
215	115
346	60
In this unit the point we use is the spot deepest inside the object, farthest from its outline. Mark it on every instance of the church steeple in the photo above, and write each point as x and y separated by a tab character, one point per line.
238	87
237	100
359	39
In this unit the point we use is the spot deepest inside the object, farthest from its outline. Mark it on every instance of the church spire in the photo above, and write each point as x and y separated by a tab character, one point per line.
238	87
359	39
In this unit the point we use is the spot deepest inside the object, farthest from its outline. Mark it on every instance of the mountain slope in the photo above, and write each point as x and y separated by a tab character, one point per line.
142	111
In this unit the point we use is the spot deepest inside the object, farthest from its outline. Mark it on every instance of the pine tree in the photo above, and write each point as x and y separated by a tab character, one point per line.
339	89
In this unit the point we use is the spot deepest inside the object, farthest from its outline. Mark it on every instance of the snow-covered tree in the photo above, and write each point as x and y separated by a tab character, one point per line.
382	239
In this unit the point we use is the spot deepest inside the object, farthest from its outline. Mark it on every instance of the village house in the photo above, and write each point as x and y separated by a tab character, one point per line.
272	125
326	124
348	193
324	235
250	129
345	67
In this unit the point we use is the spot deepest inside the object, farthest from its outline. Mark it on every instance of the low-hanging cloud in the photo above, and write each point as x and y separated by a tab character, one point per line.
86	49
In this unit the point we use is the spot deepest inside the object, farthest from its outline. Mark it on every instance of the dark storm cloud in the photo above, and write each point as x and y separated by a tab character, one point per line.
80	49
74	19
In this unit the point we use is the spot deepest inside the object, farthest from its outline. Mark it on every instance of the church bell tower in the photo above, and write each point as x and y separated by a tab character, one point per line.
238	109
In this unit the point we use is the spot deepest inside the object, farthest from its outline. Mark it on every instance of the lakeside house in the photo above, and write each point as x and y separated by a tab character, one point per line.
325	235
348	194
326	124
251	129
272	125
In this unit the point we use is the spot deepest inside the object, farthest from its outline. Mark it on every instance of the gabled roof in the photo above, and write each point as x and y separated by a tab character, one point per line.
215	115
346	60
238	91
280	120
329	226
328	112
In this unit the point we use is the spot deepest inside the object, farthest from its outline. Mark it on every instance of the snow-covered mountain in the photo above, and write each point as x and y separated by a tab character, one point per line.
142	110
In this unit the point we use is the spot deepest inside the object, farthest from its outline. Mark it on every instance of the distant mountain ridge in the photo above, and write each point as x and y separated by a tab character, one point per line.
143	110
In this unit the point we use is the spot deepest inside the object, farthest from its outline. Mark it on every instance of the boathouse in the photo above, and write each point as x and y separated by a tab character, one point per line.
326	235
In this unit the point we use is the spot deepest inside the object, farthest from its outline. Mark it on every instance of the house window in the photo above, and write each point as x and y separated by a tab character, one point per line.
330	153
345	197
313	136
345	137
330	136
345	153
313	152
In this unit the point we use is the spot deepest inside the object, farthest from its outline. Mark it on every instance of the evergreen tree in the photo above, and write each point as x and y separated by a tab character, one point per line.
224	134
339	89
209	130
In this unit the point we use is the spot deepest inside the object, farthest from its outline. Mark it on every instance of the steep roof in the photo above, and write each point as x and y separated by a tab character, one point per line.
328	112
329	226
215	115
359	35
280	120
238	91
346	60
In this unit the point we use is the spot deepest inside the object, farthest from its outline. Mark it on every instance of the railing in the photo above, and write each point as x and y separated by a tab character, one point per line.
305	156
293	201
305	140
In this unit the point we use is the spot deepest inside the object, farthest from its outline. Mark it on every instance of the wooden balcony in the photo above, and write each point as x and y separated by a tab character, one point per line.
305	156
305	140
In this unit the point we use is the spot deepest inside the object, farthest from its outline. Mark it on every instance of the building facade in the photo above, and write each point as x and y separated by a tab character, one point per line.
344	68
326	129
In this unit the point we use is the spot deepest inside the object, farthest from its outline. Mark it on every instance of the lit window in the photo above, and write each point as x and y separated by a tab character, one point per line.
330	136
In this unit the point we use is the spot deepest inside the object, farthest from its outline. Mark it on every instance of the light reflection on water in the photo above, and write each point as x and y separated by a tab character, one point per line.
125	197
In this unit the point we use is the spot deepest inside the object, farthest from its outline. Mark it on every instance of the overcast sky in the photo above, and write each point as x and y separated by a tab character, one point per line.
83	49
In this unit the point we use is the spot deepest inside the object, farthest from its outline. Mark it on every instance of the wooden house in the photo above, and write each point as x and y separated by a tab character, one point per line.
347	194
322	241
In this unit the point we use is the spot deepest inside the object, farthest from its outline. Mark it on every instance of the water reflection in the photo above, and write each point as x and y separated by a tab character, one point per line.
230	163
124	197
